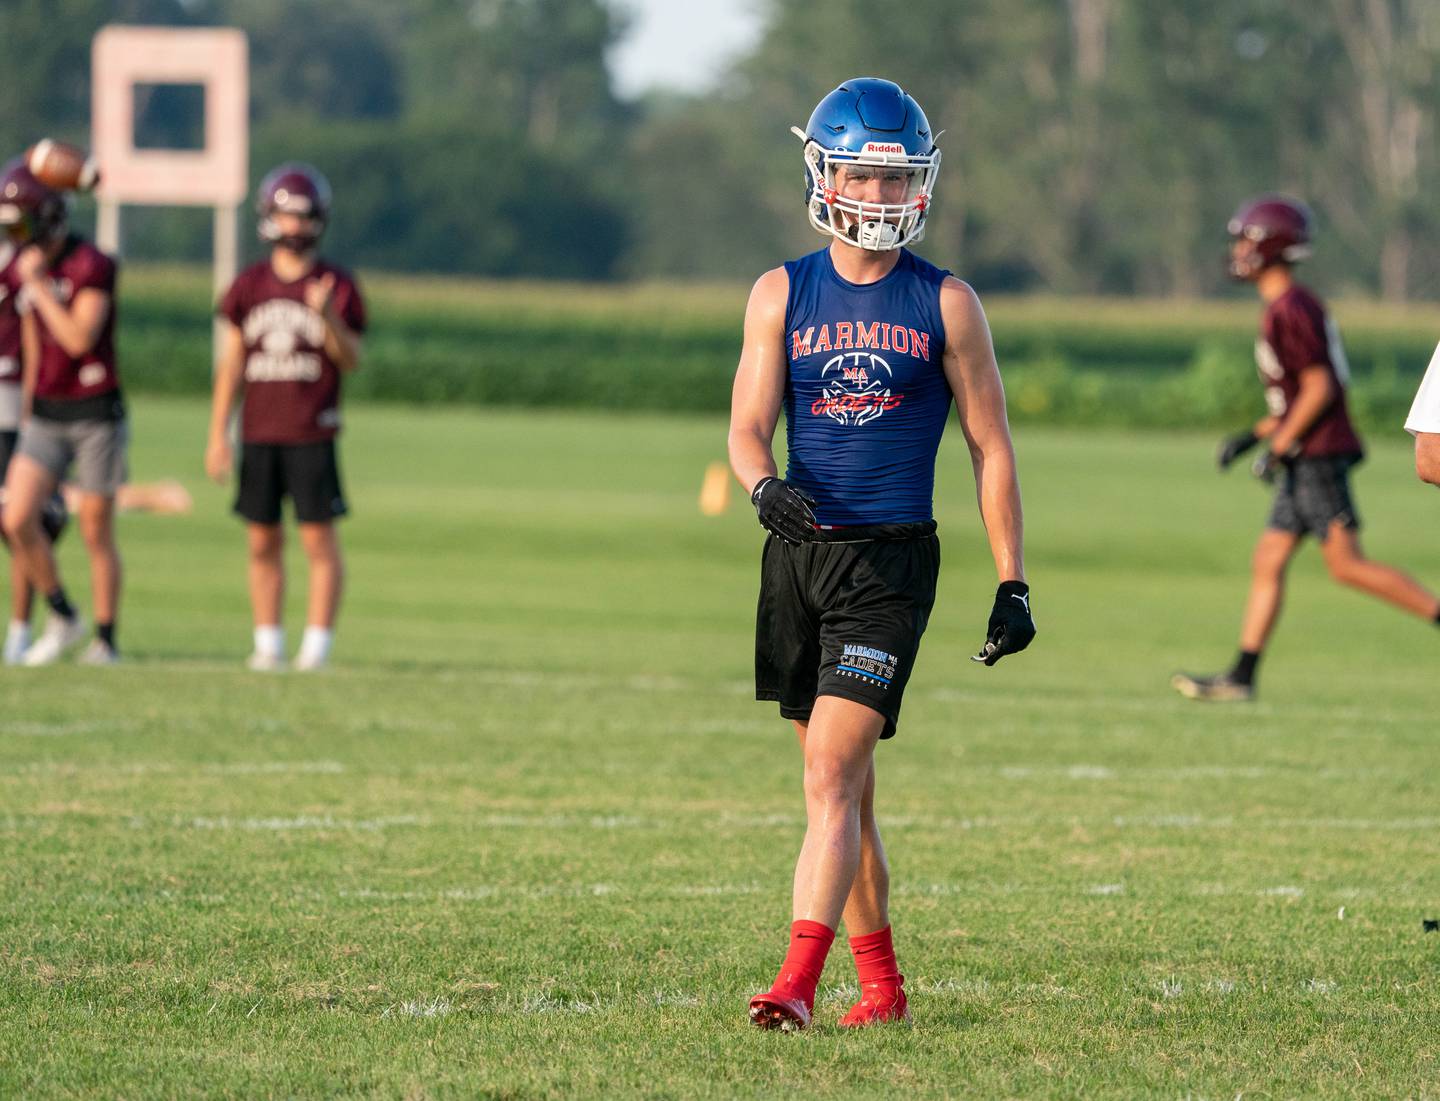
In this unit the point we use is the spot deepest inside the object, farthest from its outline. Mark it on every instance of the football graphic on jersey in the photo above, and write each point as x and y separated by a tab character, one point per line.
856	389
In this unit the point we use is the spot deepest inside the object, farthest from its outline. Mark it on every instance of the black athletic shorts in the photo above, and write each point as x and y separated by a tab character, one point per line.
1313	494
307	472
843	615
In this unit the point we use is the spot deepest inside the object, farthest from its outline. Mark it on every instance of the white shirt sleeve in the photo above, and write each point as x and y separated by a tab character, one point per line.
1425	413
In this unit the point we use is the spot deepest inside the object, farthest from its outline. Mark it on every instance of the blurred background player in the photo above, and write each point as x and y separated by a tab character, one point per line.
1309	443
73	415
22	593
295	322
1424	423
865	345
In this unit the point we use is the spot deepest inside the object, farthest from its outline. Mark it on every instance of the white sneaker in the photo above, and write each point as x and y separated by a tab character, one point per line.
311	662
265	663
17	641
99	652
314	650
59	635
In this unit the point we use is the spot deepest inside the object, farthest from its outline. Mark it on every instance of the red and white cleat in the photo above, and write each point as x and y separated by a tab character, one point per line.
877	1005
776	1010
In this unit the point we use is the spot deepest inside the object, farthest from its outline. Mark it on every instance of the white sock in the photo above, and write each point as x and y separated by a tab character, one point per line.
270	641
17	640
315	644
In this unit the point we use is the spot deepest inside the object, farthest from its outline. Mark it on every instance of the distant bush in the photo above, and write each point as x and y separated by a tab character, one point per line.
665	348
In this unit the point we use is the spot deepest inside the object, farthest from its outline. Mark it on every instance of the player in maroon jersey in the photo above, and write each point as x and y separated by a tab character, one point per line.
1308	440
295	323
73	414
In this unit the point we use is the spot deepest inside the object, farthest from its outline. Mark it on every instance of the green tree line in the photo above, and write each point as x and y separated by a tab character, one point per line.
1090	146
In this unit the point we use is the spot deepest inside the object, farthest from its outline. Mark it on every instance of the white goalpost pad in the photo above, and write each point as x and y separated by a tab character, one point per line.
217	174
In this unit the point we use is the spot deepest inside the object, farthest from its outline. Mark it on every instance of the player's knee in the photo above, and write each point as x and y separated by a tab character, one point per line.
1345	569
1268	564
322	548
97	533
831	781
20	529
266	545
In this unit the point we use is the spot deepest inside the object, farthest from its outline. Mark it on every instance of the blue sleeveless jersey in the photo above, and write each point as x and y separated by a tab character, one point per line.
866	398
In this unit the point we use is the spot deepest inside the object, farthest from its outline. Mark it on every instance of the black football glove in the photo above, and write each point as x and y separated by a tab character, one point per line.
1011	627
1232	447
1268	467
784	510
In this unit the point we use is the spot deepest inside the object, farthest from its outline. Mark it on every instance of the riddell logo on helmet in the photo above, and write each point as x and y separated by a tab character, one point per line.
883	147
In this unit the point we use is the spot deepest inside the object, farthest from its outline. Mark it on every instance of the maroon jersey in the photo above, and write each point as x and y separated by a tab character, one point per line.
64	378
292	386
1295	333
9	322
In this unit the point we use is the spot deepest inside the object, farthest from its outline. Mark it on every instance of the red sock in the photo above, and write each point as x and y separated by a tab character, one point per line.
875	960
800	973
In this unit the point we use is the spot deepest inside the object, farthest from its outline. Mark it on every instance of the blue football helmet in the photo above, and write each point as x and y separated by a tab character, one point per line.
873	129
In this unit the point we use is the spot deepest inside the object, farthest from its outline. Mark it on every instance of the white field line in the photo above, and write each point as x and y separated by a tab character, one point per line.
300	822
420	1007
1227	822
1173	988
64	727
727	820
831	996
167	768
1164	704
491	893
1160	705
1173	773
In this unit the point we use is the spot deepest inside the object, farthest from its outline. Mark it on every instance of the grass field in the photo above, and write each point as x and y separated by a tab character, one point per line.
532	838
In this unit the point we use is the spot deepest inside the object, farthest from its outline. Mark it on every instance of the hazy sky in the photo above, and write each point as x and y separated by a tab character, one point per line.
681	44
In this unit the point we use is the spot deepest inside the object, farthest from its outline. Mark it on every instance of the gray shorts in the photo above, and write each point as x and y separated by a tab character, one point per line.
90	453
1314	494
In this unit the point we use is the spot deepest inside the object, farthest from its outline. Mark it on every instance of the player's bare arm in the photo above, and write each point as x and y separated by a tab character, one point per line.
1427	457
76	329
1317	393
29	363
974	379
759	381
783	509
341	342
229	381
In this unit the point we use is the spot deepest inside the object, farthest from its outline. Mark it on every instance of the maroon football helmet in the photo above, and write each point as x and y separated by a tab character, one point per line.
30	212
293	188
1278	226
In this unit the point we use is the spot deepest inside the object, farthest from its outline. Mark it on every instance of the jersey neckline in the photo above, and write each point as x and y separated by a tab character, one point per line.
893	273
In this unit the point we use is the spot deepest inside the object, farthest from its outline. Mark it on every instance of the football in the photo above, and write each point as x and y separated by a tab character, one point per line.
62	166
